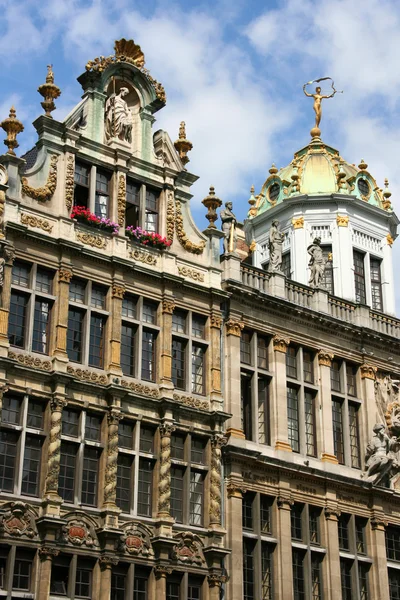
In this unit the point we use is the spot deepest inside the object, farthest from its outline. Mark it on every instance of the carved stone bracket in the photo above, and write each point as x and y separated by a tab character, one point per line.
9	255
64	275
86	375
284	503
45	193
235	490
280	343
139	388
108	562
216	579
96	241
118	291
144	257
234	327
325	358
162	571
191	401
215	321
32	221
342	220
48	552
368	371
168	306
378	522
332	513
389	240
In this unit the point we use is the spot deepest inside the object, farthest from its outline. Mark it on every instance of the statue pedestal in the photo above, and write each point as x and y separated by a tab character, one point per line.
320	301
231	264
277	285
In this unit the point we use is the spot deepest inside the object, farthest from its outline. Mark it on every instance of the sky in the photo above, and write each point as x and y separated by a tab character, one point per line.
233	70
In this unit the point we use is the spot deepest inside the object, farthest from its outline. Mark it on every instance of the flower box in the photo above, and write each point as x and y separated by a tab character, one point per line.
83	215
147	238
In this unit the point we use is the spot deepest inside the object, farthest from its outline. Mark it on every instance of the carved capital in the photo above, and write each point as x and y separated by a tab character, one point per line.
118	291
378	523
284	503
9	255
342	220
168	306
216	579
298	223
162	571
114	416
215	321
236	490
332	513
389	239
325	358
218	440
48	552
368	371
108	562
280	343
57	404
64	275
167	429
234	327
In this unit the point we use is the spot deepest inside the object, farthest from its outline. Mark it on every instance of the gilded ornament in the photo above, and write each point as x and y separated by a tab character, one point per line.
12	126
253	246
138	388
234	327
64	275
280	343
182	145
389	239
45	193
325	358
31	221
168	306
143	256
96	241
180	232
298	223
368	372
118	291
86	375
318	97
69	181
342	220
50	92
121	199
212	202
170	217
191	273
191	401
30	361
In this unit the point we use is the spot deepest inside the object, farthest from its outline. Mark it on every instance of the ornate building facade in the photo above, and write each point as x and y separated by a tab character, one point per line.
177	424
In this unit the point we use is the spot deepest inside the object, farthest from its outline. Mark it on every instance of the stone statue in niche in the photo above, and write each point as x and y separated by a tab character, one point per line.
275	242
317	263
118	117
229	227
381	456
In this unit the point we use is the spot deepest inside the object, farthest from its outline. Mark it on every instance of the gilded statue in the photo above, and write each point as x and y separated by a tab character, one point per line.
318	97
275	241
118	117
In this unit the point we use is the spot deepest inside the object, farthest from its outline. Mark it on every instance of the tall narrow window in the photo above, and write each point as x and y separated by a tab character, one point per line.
178	363
335	376
102	195
345	578
132	204
286	267
245	347
8	455
148	355
376	284
309	410
151	222
197	369
22	570
96	341
308	366
266	571
75	334
359	276
31	466
90	476
81	188
66	479
316	577
298	574
248	570
291	362
262	352
128	333
293	418
41	326
263	411
327	278
145	481
354	436
124	490
17	319
177	474
337	423
246	412
196	498
351	376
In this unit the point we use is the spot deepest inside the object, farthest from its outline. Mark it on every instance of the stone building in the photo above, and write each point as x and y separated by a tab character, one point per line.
177	424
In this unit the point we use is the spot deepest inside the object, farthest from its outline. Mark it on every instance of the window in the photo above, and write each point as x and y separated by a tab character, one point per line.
394	584
293	418
135	468
188	473
31	308
21	440
83	581
81	187
179	587
298	574
102	196
337	423
309	410
351	376
306	557
87	319
151	211
22	577
95	197
60	575
291	362
359	276
376	283
393	543
335	376
132	203
308	366
327	278
355	458
354	564
255	381
248	569
286	265
184	348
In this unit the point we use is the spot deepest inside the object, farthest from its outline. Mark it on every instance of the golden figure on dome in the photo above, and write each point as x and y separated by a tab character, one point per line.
318	97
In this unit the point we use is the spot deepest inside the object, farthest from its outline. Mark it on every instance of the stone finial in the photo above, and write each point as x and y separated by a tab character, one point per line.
49	91
182	145
363	165
212	202
12	127
273	170
387	205
252	201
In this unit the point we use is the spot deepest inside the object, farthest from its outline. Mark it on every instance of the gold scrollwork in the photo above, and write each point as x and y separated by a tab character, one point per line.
30	361
121	199
298	223
180	232
86	375
95	241
342	220
170	217
69	181
45	193
31	221
142	256
187	272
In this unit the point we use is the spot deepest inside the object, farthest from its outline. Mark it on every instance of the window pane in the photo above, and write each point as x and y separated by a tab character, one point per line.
354	436
345	578
99	294
197	369
102	194
359	276
173	590
245	347
262	352
265	514
393	543
177	474
248	570
178	363
44	280
363	581
296	515
41	327
93	427
293	418
17	319
394	584
151	223
327	278
179	321
81	174
198	326
146	441
308	367
129	305
266	571
83	584
77	289
247	510
132	192
316	577
118	583
335	376
8	454
291	362
148	355
314	514
20	274
337	424
298	574
196	498
309	409
70	422
376	286
66	479
197	450
149	312
125	434
60	575
35	414
343	532
74	334
96	342
128	333
81	189
31	465
140	584
286	266
194	588
177	446
90	475
360	535
11	410
263	411
124	489
351	374
22	570
145	481
246	412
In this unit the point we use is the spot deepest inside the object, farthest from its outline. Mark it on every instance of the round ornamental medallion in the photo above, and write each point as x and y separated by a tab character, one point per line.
3	175
76	532
134	542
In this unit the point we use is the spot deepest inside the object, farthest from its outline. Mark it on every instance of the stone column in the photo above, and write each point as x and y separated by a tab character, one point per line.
325	430
161	572
283	578
388	295
64	278
46	554
379	581
215	350
110	477
57	404
106	564
164	484
370	415
233	329
235	539
279	427
118	292
8	256
168	307
215	582
299	253
343	259
217	441
331	563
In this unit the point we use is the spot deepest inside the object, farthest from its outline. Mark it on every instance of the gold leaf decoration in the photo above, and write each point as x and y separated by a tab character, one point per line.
70	181
180	232
45	193
31	221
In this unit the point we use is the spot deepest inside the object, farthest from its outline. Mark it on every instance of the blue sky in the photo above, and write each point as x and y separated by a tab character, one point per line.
233	70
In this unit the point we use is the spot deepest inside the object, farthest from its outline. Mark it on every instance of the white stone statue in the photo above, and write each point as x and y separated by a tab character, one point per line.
228	227
317	263
275	242
380	456
118	117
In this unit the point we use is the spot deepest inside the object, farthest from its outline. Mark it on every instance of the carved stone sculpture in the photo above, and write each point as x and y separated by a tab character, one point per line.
275	242
229	227
53	461
380	457
110	482
317	263
217	442
118	117
164	486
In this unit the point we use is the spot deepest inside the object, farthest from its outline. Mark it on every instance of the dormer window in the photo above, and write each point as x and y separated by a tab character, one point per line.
363	187
274	192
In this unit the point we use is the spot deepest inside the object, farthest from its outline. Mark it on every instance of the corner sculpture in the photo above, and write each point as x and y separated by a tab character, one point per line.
228	227
275	242
317	263
381	457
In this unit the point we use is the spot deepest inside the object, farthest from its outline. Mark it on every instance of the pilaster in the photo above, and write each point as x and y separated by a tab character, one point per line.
217	441
60	351
235	493
8	257
344	280
379	580
299	252
370	415
168	307
117	296
331	564
283	579
164	484
215	349
279	428
110	477
106	564
325	431
233	330
53	500
46	555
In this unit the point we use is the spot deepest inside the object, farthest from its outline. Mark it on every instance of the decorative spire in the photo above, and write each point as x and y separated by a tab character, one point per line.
12	127
49	91
252	202
182	145
363	165
273	170
212	202
387	205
